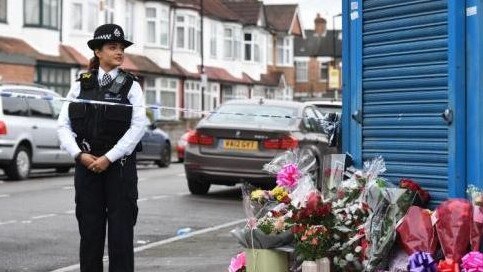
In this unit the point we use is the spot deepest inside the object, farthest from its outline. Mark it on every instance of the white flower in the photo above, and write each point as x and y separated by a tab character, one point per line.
365	262
358	249
336	260
336	237
342	263
349	257
348	222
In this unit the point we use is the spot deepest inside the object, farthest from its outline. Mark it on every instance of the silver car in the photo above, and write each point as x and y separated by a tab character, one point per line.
28	132
231	145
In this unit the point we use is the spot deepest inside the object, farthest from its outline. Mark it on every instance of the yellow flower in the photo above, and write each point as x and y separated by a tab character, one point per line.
257	195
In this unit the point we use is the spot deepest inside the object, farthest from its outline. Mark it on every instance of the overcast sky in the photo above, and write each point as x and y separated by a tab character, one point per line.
309	8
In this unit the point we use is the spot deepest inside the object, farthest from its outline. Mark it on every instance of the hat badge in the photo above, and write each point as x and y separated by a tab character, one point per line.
117	33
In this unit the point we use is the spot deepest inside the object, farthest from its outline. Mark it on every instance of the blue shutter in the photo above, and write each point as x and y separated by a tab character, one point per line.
406	86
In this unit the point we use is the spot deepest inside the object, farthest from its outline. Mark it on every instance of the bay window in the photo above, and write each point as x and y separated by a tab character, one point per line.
157	26
188	34
42	13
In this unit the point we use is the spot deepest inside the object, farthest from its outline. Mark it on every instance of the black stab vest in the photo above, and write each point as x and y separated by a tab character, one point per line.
99	127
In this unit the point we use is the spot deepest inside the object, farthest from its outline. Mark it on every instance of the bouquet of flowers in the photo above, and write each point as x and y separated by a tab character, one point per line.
475	195
418	239
267	225
312	227
453	226
414	194
238	263
381	225
333	172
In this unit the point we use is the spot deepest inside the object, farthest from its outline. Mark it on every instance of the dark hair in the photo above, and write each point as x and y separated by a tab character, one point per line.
94	63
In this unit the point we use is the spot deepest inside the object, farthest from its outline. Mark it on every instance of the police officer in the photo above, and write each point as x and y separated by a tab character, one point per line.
103	138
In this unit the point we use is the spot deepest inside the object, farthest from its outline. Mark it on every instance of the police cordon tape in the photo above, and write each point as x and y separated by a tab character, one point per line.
153	107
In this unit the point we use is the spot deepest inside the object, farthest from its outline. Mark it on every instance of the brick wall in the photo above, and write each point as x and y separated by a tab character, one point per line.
314	84
17	73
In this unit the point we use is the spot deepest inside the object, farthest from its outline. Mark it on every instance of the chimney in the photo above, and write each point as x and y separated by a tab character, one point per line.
320	25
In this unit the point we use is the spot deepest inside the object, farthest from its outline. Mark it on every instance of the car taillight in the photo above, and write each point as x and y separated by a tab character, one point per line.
197	138
286	142
3	128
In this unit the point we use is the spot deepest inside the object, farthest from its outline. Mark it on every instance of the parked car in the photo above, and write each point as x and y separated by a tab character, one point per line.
181	145
326	106
231	145
330	114
156	146
28	133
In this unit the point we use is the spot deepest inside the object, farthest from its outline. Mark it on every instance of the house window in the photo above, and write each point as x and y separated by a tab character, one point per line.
157	25
324	71
192	99
109	11
251	47
213	38
284	51
269	49
43	13
162	92
76	14
301	71
81	21
3	11
188	34
128	32
55	78
169	89
232	43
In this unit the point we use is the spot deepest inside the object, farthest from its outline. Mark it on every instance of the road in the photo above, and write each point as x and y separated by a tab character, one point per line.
38	229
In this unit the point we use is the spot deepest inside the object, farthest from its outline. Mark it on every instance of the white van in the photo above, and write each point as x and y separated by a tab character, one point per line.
28	132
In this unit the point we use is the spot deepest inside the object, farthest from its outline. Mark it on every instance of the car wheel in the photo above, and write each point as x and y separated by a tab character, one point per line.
19	167
165	160
196	187
62	170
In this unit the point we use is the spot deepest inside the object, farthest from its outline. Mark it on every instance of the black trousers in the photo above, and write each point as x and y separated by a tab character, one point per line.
108	197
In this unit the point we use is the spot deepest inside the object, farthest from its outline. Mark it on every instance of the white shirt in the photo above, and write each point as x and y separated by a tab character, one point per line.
129	140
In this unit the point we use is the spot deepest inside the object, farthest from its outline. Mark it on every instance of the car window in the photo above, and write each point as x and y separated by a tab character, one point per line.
277	116
14	106
325	109
40	108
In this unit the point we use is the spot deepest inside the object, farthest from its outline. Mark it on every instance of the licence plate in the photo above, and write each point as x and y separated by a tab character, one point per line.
240	145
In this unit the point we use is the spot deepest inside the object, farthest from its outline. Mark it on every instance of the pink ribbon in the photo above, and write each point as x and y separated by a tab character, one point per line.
288	176
473	262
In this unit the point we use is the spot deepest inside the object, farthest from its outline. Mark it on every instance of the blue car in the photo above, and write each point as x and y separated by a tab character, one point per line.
156	147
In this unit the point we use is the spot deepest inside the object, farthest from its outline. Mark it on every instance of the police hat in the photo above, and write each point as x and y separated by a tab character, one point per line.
108	33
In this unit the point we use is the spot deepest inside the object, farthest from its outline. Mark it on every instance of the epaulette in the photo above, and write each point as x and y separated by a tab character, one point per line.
88	79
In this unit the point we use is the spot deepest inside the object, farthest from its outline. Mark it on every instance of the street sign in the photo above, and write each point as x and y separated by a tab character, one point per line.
334	82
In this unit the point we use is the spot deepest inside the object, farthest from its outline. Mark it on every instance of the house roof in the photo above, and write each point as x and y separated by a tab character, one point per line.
67	55
211	8
222	75
318	45
140	63
271	78
280	17
248	10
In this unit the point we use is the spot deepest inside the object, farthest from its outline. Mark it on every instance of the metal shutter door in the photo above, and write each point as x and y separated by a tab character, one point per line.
405	90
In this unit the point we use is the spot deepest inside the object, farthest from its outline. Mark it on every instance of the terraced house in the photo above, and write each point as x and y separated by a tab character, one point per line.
186	55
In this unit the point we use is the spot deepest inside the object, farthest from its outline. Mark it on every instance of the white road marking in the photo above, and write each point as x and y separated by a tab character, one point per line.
68	187
142	199
8	222
44	216
4	196
158	197
70	212
26	221
141	179
162	242
181	175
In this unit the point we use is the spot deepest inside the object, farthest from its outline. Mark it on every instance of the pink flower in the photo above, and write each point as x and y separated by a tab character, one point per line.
237	262
288	176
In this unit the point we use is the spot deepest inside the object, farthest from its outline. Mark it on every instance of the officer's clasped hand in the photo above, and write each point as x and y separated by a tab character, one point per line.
99	164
